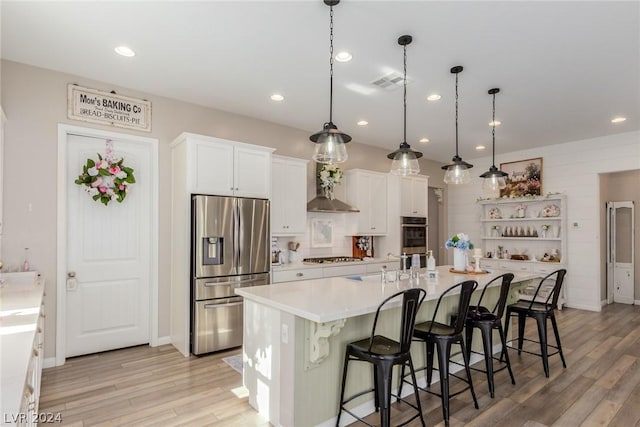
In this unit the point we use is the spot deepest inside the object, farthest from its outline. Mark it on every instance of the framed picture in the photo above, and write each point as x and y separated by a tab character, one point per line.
321	233
525	177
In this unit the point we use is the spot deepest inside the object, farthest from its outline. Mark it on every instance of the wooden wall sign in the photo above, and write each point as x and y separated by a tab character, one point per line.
91	105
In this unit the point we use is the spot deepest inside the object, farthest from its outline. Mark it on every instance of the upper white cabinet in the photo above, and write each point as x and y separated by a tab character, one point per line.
367	191
221	167
413	196
288	196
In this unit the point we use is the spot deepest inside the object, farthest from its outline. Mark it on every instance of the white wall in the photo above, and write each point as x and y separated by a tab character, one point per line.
35	102
572	168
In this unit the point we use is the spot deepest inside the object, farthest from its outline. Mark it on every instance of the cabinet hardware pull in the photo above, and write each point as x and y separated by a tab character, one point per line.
299	274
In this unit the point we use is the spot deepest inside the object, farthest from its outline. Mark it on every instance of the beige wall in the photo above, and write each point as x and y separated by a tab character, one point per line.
619	187
35	102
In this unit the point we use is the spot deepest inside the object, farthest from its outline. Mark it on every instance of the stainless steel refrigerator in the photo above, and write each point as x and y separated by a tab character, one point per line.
230	249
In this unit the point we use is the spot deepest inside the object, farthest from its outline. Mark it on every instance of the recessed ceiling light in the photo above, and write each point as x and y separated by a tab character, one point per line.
125	51
343	56
480	147
433	97
277	97
424	140
498	123
363	123
618	120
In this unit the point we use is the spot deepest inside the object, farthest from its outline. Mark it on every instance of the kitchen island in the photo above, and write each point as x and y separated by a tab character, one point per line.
295	334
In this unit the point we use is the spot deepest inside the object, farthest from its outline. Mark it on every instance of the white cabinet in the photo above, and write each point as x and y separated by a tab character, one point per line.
413	196
367	191
221	167
294	275
533	228
288	196
344	270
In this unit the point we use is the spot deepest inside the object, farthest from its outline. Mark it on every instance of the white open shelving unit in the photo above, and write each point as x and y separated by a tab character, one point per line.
504	228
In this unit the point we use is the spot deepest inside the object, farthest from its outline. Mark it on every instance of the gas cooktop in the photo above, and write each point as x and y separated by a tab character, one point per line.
331	260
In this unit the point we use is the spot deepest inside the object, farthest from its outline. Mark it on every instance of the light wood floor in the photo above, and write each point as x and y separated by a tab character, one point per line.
157	386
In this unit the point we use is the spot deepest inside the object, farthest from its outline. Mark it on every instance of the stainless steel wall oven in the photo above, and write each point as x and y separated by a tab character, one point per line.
414	233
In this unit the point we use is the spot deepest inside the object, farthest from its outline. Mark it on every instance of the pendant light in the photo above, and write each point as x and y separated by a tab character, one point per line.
330	142
458	169
494	179
405	160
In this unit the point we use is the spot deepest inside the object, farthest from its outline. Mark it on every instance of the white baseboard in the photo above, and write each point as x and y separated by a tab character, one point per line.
636	302
584	307
49	362
368	407
164	340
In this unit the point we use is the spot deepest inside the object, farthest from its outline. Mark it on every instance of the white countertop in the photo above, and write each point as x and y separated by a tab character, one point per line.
334	298
20	299
304	265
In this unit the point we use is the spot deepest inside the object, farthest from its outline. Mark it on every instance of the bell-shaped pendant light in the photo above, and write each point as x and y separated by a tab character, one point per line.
405	160
330	142
494	179
458	169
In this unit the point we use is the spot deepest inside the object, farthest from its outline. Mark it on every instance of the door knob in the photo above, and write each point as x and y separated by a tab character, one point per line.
71	274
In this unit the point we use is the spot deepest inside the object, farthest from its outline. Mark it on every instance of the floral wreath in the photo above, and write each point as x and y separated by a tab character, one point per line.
107	179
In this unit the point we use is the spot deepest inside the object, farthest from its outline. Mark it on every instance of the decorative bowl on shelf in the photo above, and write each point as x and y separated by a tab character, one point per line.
550	211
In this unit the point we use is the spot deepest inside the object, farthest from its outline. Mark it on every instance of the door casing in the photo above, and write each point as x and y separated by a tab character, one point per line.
61	273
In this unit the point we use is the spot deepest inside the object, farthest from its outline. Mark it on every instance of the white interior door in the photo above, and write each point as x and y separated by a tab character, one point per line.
109	253
620	251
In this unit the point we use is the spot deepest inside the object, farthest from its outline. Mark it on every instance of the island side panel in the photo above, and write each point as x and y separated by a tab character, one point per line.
262	375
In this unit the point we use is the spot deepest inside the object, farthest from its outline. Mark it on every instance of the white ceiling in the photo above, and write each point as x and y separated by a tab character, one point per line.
565	69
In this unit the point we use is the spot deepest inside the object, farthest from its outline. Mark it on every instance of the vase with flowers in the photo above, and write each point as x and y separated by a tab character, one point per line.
520	210
329	176
460	244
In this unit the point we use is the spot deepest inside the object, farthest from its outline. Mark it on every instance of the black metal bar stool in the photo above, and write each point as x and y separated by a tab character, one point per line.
487	320
442	336
384	353
540	311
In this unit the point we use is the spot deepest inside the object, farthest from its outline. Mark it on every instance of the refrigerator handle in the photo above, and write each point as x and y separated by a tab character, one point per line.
236	243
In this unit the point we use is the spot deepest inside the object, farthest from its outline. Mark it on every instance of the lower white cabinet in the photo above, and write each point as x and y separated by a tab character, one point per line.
22	349
294	275
331	271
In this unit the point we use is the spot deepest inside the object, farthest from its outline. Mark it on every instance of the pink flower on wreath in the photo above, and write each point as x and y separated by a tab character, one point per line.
97	182
114	169
121	187
102	189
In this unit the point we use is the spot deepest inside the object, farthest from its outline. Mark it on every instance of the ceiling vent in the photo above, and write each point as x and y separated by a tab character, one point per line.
390	81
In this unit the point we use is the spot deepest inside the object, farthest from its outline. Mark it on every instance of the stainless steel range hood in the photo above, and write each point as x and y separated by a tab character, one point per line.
323	204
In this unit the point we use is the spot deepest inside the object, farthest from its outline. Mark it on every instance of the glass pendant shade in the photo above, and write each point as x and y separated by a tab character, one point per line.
405	161
330	146
330	142
457	172
494	180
